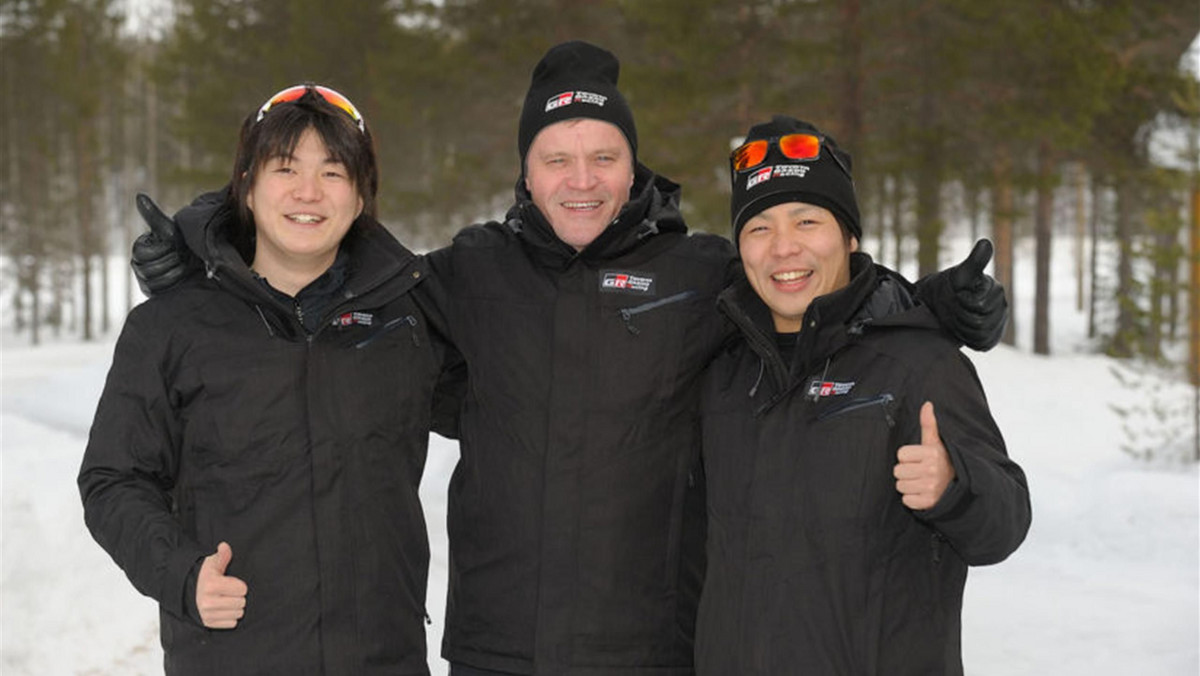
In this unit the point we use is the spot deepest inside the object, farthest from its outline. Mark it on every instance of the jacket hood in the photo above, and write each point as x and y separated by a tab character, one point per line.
653	209
199	221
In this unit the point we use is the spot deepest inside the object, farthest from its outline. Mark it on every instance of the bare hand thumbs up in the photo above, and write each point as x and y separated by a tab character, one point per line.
923	471
221	599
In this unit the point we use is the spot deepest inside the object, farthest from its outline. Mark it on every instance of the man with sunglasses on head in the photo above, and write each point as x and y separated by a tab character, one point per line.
854	469
256	455
585	318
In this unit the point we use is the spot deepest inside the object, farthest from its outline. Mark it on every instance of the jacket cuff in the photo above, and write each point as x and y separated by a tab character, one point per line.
189	593
179	587
957	495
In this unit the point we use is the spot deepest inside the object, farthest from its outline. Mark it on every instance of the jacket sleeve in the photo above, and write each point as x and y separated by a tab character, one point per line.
131	465
434	297
985	513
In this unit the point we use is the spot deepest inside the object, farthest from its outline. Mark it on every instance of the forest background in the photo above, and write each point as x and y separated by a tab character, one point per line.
1011	120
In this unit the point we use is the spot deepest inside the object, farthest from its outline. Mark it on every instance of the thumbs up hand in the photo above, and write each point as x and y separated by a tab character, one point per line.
221	599
161	259
923	471
969	303
968	275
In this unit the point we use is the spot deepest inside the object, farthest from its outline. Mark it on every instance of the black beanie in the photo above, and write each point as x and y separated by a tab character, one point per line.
574	79
777	180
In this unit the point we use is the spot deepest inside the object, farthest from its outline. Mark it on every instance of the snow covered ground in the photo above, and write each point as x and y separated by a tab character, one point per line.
1107	582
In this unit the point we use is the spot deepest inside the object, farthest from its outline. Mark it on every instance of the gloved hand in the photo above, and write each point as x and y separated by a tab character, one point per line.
970	304
161	259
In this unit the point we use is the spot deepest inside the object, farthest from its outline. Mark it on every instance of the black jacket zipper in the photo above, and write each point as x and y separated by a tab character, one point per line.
386	328
883	400
628	313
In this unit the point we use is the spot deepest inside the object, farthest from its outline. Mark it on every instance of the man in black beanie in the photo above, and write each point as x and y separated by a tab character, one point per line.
575	80
585	318
576	513
577	142
823	180
843	512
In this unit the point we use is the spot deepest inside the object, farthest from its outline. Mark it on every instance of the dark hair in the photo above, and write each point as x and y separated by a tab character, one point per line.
277	135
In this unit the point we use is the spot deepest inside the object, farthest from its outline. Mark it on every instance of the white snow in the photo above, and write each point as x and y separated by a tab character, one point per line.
1107	582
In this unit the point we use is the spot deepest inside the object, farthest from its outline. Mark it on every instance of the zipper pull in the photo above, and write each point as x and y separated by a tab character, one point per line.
628	317
412	323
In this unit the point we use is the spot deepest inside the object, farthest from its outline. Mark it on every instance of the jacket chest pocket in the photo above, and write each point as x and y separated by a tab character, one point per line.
645	355
379	380
843	471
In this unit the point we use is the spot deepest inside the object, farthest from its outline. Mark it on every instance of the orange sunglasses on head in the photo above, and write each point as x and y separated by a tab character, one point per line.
293	93
793	146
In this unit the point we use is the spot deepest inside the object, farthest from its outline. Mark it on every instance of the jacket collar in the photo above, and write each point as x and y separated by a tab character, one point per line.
377	262
653	209
873	297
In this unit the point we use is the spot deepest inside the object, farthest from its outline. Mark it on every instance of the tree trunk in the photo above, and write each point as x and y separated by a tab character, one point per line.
83	215
1080	234
35	323
1156	301
929	212
882	200
898	225
1193	290
1043	233
1194	287
1094	257
1169	242
101	232
971	201
1002	230
125	195
852	75
1122	342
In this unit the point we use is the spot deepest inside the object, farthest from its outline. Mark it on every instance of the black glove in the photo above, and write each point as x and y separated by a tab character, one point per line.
970	304
161	259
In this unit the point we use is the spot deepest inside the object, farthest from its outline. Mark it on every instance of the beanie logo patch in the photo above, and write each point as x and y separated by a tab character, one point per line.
626	281
777	171
567	98
759	176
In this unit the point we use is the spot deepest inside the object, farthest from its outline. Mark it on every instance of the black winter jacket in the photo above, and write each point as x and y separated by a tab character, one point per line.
815	566
576	514
223	420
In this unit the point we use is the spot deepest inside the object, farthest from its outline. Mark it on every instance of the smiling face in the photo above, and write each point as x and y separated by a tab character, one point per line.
579	173
793	253
303	205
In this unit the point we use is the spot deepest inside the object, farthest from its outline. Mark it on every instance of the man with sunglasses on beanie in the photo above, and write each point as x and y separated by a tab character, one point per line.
585	318
854	469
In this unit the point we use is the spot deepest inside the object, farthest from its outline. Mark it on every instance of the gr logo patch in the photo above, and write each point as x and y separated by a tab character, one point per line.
628	282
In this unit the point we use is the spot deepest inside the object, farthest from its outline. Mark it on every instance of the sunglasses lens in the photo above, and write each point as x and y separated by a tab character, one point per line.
749	155
288	95
340	101
800	146
285	96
